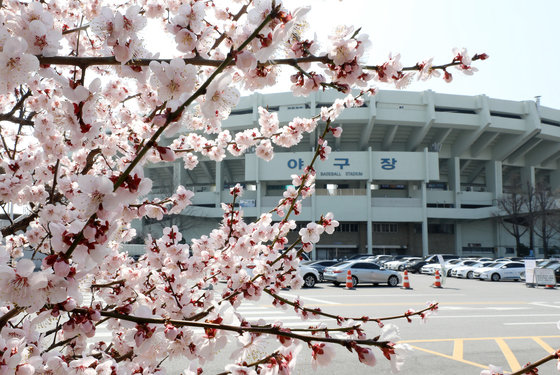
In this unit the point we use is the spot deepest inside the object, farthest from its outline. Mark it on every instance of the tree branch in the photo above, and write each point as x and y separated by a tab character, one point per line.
9	315
267	329
526	370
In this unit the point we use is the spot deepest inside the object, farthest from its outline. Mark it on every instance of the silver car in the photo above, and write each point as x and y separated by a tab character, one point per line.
362	272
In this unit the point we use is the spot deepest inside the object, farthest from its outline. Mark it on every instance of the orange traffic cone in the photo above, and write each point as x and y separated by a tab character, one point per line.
550	286
406	284
437	283
349	282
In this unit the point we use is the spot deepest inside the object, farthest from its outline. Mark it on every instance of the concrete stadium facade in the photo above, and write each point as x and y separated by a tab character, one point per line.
413	172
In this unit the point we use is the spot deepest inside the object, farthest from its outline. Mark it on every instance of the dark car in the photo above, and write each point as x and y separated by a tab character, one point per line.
414	267
320	266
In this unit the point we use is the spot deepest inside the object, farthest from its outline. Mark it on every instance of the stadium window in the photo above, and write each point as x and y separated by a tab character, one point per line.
386	227
347	227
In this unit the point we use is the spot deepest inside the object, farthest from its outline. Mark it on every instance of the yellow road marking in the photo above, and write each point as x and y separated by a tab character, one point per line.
510	357
544	345
458	349
450	357
476	338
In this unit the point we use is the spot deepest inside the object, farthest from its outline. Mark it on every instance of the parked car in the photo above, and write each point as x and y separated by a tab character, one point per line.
320	266
379	259
358	256
414	267
399	264
430	269
309	274
462	263
502	271
362	272
467	272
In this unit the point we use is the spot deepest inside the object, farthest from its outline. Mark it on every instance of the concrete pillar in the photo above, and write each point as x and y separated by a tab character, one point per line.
494	178
458	239
219	184
555	180
259	198
527	177
369	218
454	179
425	250
178	175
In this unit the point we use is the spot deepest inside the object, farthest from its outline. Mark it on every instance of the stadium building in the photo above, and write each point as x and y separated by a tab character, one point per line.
413	172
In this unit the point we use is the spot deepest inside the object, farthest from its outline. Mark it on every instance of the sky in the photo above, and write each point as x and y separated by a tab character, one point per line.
520	36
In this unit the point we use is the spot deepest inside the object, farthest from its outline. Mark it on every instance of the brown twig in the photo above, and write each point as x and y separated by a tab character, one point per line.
526	370
319	312
267	329
14	311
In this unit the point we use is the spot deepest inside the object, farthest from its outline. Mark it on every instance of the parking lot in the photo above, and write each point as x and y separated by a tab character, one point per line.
478	323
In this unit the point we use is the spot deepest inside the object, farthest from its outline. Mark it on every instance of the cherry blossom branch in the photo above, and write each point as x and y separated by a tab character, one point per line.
528	369
17	106
431	307
76	29
263	360
222	37
309	168
19	224
84	62
17	120
268	329
173	116
14	311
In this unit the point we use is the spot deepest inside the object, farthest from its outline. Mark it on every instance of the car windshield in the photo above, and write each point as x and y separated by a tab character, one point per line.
340	264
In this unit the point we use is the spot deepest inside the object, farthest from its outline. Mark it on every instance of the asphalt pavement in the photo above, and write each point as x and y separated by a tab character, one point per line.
478	323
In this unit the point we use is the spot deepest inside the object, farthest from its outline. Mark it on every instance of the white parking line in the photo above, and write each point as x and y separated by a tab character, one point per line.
528	323
437	316
309	299
543	304
400	295
497	308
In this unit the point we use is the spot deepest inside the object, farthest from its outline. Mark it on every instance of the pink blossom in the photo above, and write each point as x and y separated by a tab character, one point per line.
311	233
329	223
220	98
173	79
365	355
492	370
322	354
186	40
245	61
268	121
264	150
16	66
20	285
240	370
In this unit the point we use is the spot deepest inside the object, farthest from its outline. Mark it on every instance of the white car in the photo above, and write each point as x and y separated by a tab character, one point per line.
501	271
467	272
463	263
398	265
309	275
430	269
